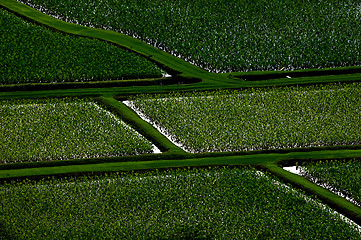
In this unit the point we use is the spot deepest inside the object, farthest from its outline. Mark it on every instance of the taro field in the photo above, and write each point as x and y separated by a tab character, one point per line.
48	129
257	119
30	53
229	35
342	177
198	154
191	204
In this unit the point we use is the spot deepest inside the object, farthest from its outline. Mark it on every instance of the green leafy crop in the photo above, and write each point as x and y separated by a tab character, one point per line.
60	129
229	35
191	204
31	53
257	119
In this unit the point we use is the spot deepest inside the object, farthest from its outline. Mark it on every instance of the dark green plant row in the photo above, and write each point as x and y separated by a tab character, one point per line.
161	161
193	204
97	84
228	36
32	53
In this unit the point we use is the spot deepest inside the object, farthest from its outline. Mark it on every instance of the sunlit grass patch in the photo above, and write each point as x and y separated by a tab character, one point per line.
40	130
257	119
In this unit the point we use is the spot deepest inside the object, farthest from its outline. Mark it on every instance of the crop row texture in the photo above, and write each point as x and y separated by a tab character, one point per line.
230	35
30	53
191	204
48	129
257	119
341	177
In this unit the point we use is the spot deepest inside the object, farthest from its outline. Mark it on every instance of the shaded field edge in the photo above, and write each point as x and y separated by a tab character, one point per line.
175	79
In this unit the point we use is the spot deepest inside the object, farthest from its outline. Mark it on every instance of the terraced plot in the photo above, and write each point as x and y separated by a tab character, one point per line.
42	130
30	53
257	119
193	204
228	36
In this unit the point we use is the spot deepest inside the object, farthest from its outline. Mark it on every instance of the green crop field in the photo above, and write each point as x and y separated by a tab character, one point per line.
339	176
251	87
31	53
226	36
259	119
190	204
63	129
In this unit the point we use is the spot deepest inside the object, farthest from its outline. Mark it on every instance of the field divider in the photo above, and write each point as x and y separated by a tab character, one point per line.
336	202
144	128
169	160
258	158
132	166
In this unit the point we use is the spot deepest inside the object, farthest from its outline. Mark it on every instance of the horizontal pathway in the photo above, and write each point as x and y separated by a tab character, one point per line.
202	86
252	159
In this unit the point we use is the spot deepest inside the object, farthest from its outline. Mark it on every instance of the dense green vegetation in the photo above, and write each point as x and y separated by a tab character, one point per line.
258	119
217	35
49	129
224	35
191	204
31	53
338	176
